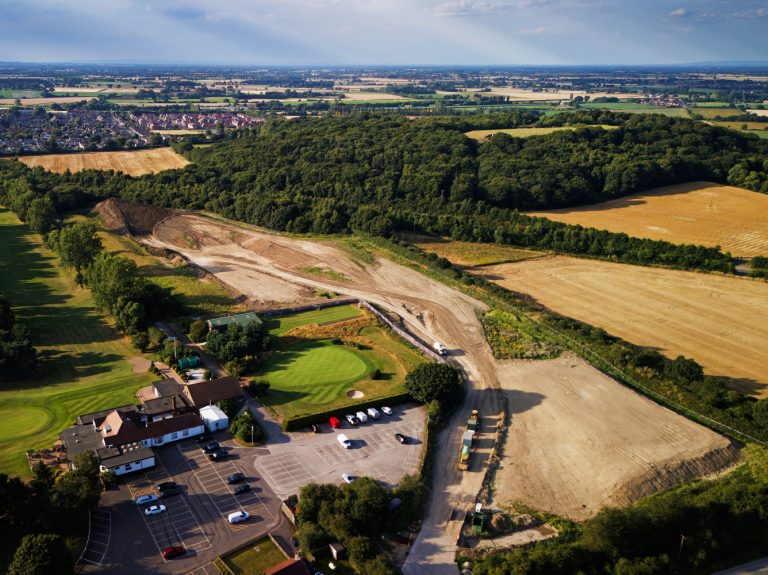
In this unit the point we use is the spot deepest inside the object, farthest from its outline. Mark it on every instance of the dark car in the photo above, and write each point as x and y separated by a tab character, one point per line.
204	438
166	485
169	492
171	552
315	428
240	489
401	438
209	447
235	478
218	455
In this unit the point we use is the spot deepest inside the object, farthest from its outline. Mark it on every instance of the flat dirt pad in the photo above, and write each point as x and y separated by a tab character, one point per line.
577	440
698	213
720	321
133	162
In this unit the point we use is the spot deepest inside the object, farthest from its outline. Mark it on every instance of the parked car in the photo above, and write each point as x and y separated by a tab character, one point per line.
352	419
238	517
235	478
170	492
401	438
344	440
347	477
218	455
335	422
209	447
242	488
315	428
362	416
373	413
204	438
144	499
165	485
171	552
155	510
386	410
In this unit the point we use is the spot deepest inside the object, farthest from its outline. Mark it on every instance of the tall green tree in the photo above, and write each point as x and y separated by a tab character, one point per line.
77	245
41	554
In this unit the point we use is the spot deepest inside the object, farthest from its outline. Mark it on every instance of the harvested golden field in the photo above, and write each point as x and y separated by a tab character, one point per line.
468	253
720	321
133	162
758	112
528	132
698	213
708	113
741	125
46	101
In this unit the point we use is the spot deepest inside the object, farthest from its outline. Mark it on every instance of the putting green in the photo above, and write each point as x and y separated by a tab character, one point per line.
22	421
316	364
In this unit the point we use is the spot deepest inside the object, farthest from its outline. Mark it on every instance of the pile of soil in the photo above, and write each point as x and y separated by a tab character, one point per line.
134	219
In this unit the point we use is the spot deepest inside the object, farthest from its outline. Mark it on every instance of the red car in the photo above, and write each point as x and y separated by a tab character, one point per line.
335	422
171	552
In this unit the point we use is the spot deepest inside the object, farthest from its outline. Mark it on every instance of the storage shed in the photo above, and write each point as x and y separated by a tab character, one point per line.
189	362
214	418
243	319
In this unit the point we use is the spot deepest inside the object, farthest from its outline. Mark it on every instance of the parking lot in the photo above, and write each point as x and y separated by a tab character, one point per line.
178	525
212	478
98	537
298	458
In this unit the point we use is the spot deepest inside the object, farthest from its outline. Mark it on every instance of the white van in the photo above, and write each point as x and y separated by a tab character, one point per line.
374	413
362	416
238	516
344	440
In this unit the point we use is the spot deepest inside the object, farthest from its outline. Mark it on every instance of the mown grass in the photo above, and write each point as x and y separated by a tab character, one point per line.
200	297
471	254
529	132
709	113
311	374
282	324
83	360
255	558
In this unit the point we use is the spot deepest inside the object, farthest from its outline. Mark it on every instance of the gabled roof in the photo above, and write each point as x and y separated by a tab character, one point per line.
240	318
288	567
209	392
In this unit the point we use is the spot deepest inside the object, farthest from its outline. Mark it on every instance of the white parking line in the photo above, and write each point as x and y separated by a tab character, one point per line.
101	527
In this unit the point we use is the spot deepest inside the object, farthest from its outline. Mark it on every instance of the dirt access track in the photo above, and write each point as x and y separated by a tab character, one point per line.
642	430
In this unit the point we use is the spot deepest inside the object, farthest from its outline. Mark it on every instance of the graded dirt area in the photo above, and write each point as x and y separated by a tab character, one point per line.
697	213
720	321
578	441
434	311
131	162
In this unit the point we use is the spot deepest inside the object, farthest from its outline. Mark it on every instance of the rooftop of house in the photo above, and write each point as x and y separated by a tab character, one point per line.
288	567
166	387
167	404
114	456
214	390
240	318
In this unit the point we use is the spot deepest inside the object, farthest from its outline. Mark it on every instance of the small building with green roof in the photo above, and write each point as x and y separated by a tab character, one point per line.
242	319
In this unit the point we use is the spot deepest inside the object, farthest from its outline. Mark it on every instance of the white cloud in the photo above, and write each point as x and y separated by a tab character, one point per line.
679	12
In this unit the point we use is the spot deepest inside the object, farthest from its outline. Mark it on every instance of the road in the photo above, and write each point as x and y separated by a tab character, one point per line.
759	567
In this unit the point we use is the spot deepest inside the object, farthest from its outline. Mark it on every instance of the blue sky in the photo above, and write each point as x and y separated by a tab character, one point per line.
381	32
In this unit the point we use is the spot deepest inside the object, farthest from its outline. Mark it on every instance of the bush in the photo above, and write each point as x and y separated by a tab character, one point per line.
140	340
376	374
242	425
198	330
258	387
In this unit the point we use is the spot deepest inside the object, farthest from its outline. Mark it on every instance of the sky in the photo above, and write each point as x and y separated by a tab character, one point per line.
384	32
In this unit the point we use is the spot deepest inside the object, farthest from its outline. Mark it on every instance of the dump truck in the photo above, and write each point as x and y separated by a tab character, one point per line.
464	458
468	439
478	521
473	423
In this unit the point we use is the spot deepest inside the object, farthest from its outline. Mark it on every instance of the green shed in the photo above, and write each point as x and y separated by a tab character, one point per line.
243	319
189	362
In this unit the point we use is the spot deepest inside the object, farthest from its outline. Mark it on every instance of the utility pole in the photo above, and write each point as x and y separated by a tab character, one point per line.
682	540
251	434
174	346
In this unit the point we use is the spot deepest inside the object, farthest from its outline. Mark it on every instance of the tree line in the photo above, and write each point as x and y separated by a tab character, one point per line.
17	355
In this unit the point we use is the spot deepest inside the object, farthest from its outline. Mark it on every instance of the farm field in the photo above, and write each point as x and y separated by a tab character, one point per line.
578	440
698	213
709	113
85	364
308	372
470	254
720	321
527	132
133	162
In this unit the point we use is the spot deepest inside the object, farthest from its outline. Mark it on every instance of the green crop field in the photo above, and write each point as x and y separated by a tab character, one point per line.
709	113
307	375
83	364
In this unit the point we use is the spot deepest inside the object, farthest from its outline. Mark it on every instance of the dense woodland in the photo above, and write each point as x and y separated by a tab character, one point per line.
380	174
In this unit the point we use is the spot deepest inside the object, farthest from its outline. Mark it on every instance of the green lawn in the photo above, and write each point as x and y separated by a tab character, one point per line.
255	559
281	324
83	363
310	375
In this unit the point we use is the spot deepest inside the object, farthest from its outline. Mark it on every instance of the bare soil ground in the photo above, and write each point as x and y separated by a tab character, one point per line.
721	321
243	258
132	162
697	213
618	447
